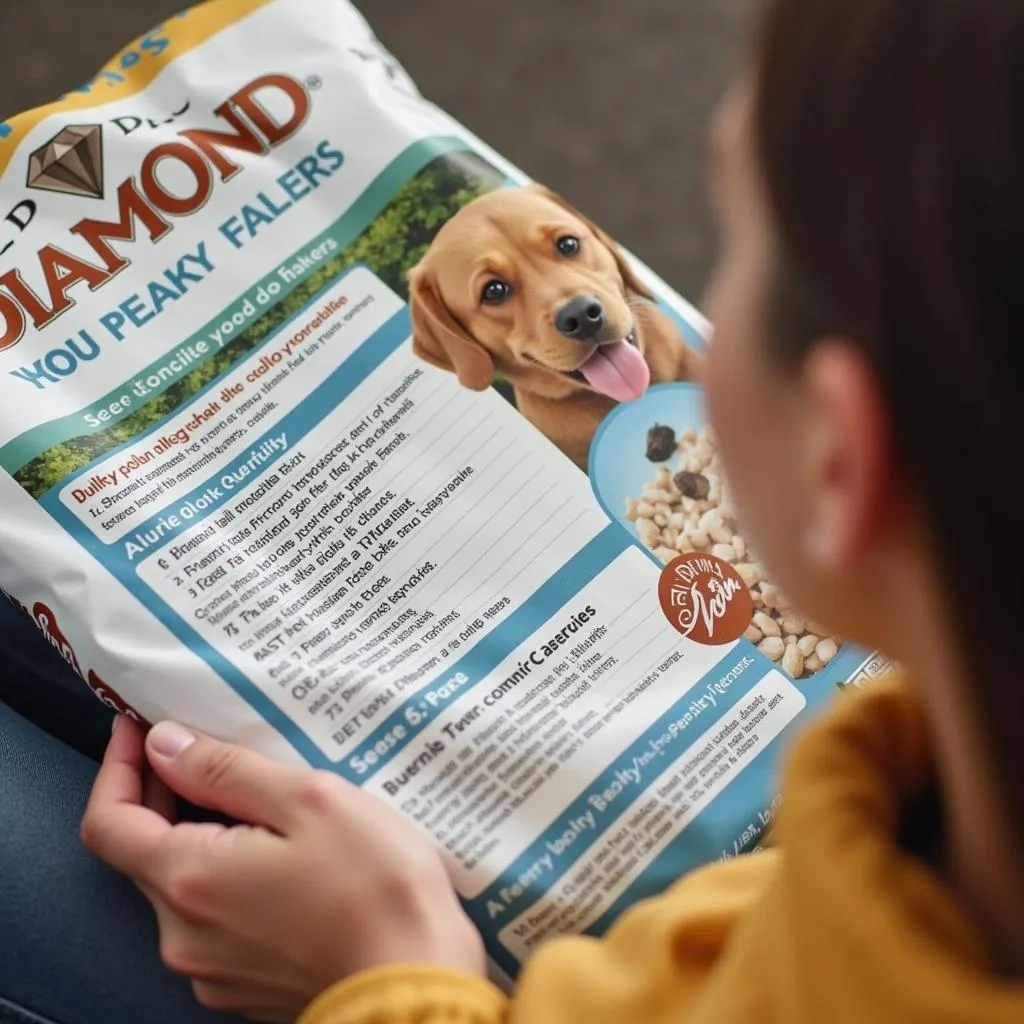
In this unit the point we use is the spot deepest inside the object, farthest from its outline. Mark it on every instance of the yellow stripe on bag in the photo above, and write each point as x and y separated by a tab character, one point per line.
135	67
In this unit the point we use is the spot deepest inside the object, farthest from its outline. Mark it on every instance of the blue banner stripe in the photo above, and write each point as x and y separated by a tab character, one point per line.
194	400
212	494
721	824
652	754
336	387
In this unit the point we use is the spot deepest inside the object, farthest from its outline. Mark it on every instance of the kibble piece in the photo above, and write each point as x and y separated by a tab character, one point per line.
794	625
826	650
722	535
807	644
700	539
649	534
686	508
695	486
710	520
661	443
767	624
703	453
658	496
749	573
793	661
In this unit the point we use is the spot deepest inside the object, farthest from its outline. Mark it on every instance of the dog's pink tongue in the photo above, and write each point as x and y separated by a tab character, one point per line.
618	371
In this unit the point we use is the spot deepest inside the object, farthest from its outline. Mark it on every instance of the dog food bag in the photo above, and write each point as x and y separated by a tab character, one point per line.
323	431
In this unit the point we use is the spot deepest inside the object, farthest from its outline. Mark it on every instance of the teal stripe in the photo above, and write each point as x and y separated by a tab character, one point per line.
359	216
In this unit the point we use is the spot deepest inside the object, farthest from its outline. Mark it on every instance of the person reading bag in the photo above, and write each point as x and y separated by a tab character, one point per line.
865	171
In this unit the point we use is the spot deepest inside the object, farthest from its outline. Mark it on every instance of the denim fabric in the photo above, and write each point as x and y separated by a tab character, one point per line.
37	682
78	943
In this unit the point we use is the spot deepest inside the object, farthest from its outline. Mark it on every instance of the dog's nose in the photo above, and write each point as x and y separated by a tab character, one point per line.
580	318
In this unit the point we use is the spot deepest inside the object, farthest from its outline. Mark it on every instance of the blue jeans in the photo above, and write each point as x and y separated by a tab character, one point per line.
78	944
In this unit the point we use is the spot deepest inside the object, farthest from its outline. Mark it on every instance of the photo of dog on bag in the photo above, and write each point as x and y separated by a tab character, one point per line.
520	285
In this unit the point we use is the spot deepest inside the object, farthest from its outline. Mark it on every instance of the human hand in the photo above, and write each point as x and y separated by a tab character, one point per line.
323	882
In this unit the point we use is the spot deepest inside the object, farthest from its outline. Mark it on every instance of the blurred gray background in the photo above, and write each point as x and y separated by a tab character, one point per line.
604	100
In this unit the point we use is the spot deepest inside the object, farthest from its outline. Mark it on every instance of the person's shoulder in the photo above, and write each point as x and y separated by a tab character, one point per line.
872	747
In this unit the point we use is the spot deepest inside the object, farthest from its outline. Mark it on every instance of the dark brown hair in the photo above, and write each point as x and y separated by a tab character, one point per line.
890	136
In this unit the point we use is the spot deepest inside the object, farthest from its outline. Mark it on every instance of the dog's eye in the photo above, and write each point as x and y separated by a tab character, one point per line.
568	245
495	292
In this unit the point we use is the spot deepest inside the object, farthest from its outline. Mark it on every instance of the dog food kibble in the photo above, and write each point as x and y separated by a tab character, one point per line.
661	443
692	485
793	661
689	509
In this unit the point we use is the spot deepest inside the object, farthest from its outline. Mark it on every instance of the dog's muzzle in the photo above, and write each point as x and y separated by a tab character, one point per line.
581	318
630	339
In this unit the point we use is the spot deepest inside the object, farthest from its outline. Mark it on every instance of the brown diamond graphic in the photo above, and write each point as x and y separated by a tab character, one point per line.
71	162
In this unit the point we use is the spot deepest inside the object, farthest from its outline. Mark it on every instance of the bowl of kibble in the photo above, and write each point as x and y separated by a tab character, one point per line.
656	468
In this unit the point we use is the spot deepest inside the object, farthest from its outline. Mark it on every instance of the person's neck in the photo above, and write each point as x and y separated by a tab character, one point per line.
981	854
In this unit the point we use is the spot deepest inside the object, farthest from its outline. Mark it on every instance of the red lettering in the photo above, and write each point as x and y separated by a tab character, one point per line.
176	206
210	142
13	318
131	206
201	152
61	270
47	623
246	101
31	303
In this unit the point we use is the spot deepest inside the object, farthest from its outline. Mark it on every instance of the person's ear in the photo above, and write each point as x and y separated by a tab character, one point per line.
626	272
850	457
439	339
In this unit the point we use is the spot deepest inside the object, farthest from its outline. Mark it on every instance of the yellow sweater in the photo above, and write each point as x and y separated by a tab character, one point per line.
838	925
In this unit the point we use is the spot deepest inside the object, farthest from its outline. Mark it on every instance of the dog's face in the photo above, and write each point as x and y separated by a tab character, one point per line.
520	283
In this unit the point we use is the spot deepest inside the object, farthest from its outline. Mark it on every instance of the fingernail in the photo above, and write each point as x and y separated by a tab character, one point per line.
114	724
168	739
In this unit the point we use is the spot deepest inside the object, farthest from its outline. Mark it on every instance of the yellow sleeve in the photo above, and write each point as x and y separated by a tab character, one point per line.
649	969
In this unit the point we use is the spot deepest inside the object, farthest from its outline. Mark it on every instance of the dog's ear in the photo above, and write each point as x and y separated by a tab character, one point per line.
629	278
439	339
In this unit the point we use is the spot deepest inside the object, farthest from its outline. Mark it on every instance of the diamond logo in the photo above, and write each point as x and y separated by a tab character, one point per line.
71	162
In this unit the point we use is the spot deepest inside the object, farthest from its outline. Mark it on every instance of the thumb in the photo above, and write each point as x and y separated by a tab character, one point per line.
224	777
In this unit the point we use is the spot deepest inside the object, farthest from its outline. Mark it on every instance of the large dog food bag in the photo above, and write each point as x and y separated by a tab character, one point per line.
324	431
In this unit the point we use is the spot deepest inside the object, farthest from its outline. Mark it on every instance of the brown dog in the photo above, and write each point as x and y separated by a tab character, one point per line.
520	283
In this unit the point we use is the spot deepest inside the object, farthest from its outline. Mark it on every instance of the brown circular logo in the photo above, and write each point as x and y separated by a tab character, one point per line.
705	598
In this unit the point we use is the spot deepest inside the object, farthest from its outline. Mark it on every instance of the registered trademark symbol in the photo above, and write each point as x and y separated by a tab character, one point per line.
314	82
